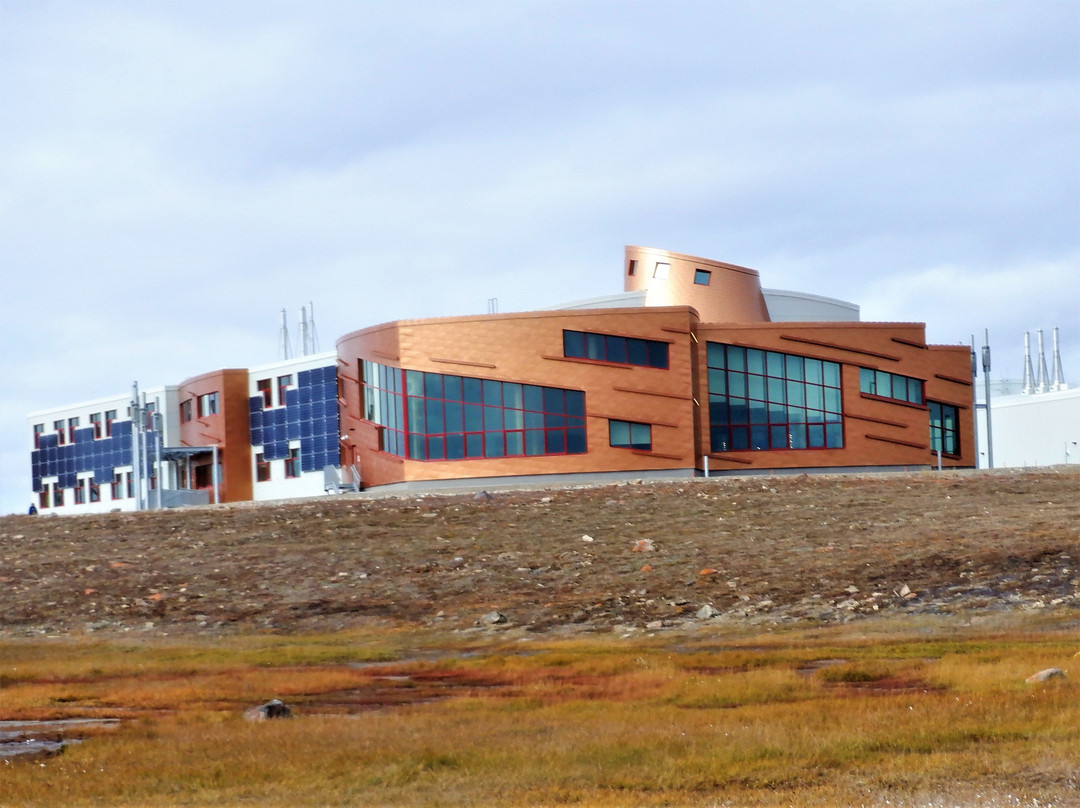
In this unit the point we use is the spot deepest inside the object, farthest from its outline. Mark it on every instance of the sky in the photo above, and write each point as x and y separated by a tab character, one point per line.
174	174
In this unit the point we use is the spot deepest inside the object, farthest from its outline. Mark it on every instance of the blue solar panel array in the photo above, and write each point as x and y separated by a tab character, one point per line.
67	461
310	415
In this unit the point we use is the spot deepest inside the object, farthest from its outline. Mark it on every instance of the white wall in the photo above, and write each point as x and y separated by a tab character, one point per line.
1033	430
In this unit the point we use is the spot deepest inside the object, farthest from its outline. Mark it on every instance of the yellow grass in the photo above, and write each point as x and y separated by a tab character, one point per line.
603	722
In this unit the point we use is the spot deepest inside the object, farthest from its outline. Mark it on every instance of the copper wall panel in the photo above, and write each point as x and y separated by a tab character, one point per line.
229	429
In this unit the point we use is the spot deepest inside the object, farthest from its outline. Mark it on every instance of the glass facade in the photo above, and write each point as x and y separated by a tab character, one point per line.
944	428
760	400
630	435
436	416
890	385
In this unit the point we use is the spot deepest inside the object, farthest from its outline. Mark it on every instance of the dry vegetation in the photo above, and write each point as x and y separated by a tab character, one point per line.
867	645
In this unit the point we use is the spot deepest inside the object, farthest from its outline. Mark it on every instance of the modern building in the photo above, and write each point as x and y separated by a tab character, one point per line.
693	369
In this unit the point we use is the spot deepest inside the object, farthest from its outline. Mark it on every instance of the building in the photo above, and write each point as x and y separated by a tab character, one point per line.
686	372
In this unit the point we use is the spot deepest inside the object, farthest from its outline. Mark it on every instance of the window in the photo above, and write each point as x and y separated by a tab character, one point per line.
208	404
432	416
58	427
661	270
39	430
117	489
702	277
185	411
95	422
265	390
630	435
891	385
95	491
944	428
292	464
73	424
632	270
761	400
80	492
110	416
57	495
617	350
283	383
43	497
262	468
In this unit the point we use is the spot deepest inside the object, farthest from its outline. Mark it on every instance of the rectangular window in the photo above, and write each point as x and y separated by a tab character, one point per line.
43	497
630	435
110	416
891	385
208	404
617	350
283	384
944	428
292	464
185	411
57	495
262	468
39	430
761	400
702	277
95	422
117	490
95	492
632	270
73	424
58	427
661	270
266	391
80	492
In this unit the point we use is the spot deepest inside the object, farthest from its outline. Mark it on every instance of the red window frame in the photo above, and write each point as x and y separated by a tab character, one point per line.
73	424
58	427
266	390
283	384
262	468
39	430
80	492
110	416
292	464
95	422
116	490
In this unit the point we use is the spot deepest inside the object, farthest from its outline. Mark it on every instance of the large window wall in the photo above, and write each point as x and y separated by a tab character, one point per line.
437	416
760	400
944	428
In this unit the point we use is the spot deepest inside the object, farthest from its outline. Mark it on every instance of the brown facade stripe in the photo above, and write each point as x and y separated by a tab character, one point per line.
728	459
679	396
895	401
658	454
836	347
875	420
898	442
347	377
953	379
910	342
487	365
581	360
624	418
674	330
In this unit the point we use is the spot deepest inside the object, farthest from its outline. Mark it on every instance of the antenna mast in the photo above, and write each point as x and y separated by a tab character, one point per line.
1029	372
283	338
1042	381
1058	382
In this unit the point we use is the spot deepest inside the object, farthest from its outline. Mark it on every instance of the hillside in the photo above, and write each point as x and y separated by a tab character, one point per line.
762	550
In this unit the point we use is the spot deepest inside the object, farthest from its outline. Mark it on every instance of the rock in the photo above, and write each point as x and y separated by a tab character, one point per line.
1046	675
493	619
644	546
706	612
484	495
269	711
587	537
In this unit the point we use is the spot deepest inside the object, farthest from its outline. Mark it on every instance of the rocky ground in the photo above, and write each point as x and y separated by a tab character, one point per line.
637	555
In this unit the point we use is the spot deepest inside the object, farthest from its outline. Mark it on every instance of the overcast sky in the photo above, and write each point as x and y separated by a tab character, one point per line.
172	175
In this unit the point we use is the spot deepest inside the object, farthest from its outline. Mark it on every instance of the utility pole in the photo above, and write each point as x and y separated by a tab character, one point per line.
986	381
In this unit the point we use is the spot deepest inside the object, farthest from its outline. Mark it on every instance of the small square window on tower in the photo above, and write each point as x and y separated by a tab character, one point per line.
661	270
702	277
632	270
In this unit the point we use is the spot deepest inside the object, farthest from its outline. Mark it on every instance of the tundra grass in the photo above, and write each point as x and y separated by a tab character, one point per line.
801	719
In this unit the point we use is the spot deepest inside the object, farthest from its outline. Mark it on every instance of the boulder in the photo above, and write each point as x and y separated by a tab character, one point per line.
493	619
1046	675
269	711
707	612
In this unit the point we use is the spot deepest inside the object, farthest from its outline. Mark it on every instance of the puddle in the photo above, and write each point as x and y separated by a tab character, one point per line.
21	740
